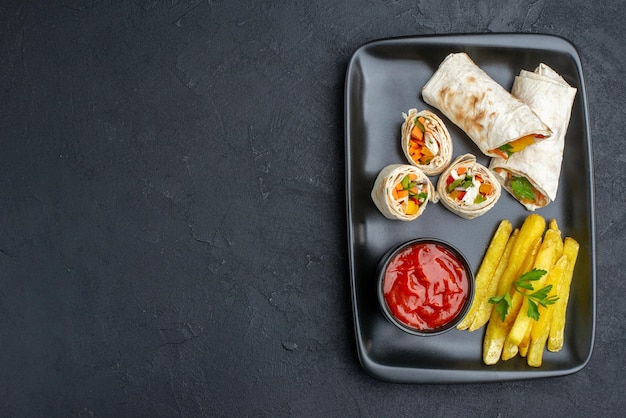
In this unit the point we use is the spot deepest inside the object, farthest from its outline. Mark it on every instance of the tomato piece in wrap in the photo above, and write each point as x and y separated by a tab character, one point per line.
402	191
468	188
532	175
496	121
426	142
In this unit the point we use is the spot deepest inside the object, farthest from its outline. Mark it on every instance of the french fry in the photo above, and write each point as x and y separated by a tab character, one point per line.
532	228
557	326
553	224
531	257
559	244
485	274
483	312
510	349
523	346
550	250
541	329
495	337
497	330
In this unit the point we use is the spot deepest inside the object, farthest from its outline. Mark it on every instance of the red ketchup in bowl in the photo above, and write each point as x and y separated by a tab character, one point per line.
426	286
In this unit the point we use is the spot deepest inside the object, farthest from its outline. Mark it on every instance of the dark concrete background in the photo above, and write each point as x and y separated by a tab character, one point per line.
172	208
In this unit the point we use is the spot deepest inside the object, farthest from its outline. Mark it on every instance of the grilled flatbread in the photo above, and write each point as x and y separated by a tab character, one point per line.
532	175
498	123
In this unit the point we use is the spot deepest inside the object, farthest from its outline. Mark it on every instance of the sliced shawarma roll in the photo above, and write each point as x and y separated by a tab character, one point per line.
498	123
426	142
402	191
532	175
468	188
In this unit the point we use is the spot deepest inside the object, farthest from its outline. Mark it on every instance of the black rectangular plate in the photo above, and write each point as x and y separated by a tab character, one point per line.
384	79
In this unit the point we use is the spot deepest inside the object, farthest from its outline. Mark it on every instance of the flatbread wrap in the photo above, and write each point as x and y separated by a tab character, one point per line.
532	175
497	122
468	188
426	142
402	191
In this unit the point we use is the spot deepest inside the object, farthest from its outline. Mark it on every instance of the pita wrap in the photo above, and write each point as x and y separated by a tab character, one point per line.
426	142
497	122
468	188
532	175
407	201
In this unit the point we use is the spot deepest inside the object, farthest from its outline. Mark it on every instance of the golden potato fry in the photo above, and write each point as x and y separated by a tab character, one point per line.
529	261
553	225
509	350
541	329
483	311
532	228
559	244
485	274
550	250
557	326
494	339
497	330
523	346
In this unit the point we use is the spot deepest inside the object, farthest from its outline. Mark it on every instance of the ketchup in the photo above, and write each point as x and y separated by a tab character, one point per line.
425	286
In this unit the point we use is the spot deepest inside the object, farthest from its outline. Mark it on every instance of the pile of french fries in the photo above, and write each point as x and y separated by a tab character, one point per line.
511	253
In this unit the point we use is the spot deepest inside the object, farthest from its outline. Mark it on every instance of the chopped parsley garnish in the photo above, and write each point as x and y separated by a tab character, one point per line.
536	298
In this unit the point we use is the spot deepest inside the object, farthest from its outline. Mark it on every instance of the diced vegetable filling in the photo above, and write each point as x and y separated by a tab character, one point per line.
410	194
468	187
422	145
505	151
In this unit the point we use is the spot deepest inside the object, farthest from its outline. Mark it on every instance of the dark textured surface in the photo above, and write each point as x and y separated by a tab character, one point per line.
172	208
